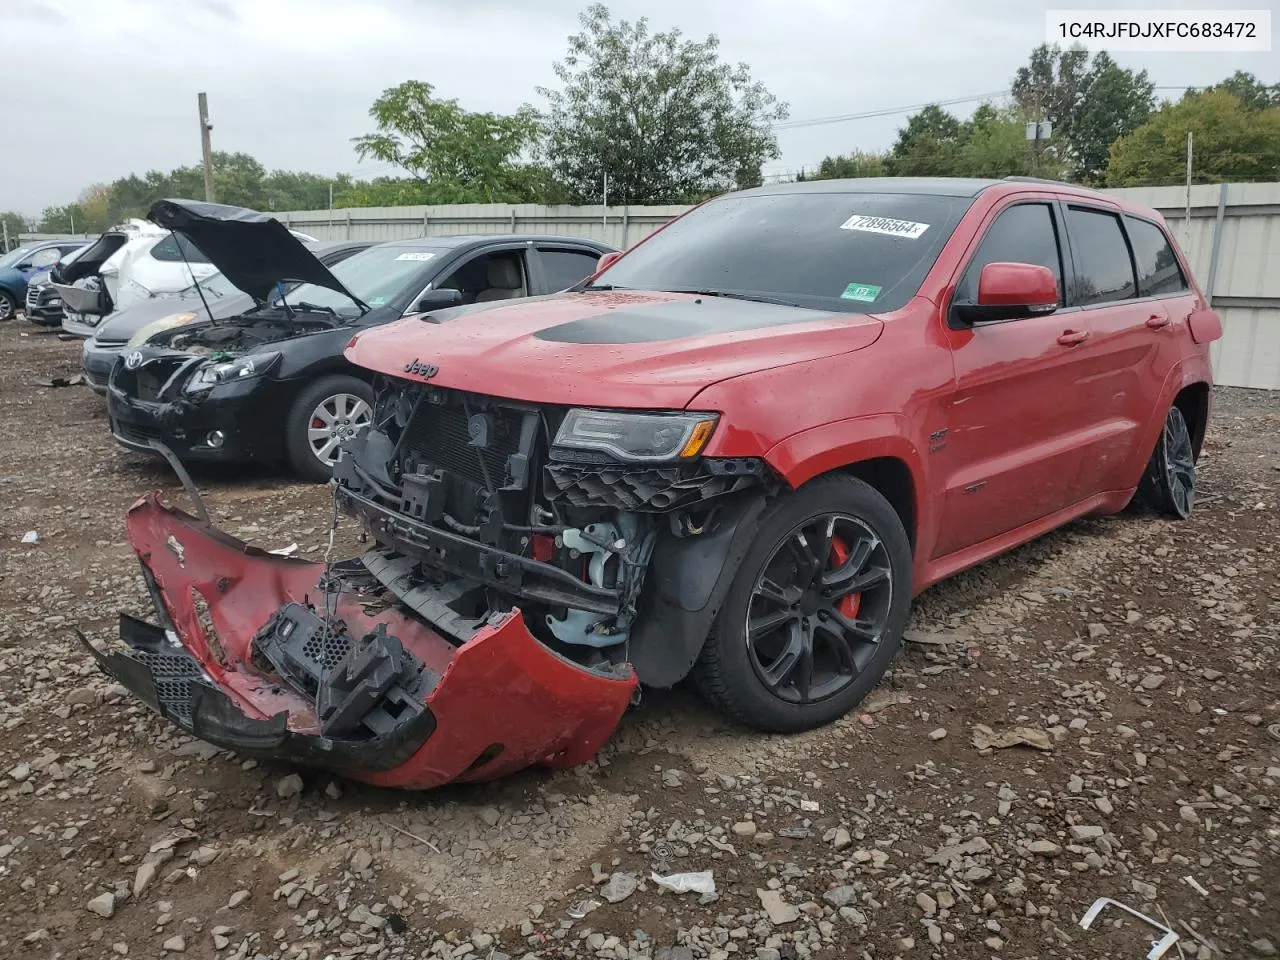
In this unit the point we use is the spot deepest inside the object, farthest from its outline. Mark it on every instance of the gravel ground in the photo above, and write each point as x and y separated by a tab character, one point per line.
1133	656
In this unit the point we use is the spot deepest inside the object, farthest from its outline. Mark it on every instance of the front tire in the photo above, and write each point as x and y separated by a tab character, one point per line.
816	611
1169	483
8	306
333	409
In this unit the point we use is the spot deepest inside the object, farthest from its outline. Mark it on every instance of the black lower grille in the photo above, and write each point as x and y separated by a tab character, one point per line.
134	433
468	443
173	675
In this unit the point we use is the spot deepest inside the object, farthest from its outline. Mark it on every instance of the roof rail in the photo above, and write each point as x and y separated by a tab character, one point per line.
1057	183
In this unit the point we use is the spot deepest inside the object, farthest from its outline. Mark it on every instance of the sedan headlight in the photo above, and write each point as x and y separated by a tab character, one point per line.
637	436
228	371
159	326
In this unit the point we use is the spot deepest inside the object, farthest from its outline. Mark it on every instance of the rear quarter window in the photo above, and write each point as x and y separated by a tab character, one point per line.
1158	271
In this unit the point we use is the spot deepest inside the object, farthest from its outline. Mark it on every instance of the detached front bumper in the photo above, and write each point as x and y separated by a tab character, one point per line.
498	703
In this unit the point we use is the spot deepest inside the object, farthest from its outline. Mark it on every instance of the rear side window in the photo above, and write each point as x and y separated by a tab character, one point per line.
1024	233
1158	270
172	248
563	268
1104	269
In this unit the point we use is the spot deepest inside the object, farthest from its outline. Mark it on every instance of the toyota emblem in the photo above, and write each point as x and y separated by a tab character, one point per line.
133	361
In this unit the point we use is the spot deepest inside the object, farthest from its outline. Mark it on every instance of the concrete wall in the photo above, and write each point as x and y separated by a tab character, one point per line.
1233	242
618	226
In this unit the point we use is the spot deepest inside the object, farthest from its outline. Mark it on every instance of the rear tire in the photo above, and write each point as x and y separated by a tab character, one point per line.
333	408
826	588
1169	483
8	306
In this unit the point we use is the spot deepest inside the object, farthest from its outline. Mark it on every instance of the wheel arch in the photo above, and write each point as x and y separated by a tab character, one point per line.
1194	402
874	449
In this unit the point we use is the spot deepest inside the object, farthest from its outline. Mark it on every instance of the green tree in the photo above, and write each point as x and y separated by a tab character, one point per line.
1251	93
857	163
661	115
465	156
928	146
1089	102
14	223
994	144
1231	143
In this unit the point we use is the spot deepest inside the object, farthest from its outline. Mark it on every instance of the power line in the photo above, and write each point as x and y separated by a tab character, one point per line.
886	111
893	111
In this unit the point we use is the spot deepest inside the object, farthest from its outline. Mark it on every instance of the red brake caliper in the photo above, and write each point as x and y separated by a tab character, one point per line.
850	604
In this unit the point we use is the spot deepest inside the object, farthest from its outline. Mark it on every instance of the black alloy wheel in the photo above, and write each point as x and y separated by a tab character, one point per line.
816	609
1169	483
819	608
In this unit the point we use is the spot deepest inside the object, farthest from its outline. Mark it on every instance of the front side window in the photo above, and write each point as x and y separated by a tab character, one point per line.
1104	269
837	251
1158	270
1024	233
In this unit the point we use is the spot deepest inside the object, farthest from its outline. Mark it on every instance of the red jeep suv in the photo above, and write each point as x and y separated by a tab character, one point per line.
736	452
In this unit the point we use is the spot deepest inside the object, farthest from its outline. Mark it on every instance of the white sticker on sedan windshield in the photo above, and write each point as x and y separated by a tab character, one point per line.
893	228
415	256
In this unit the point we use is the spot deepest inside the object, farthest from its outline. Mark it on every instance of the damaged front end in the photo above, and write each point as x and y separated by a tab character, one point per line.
277	657
521	587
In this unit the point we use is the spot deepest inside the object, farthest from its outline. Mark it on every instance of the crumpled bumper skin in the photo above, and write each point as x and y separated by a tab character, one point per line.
498	703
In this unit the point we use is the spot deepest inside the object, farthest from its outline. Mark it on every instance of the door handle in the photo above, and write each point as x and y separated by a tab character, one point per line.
1070	338
1156	321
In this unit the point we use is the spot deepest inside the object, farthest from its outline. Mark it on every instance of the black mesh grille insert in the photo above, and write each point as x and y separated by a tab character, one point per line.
441	435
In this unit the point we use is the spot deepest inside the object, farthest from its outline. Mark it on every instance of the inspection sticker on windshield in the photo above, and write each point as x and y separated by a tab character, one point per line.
862	292
378	301
893	228
415	256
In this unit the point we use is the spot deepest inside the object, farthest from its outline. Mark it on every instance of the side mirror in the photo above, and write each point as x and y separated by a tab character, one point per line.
439	299
1011	291
607	260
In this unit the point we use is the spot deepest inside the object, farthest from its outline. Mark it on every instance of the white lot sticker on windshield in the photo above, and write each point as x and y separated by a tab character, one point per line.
415	256
893	228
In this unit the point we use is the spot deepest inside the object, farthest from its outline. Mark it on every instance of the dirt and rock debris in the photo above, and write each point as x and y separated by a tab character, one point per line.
1096	714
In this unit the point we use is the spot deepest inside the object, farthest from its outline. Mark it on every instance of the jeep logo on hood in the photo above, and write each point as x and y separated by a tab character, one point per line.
133	361
424	370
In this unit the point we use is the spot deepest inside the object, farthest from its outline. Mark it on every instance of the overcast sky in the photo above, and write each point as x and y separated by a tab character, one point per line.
105	88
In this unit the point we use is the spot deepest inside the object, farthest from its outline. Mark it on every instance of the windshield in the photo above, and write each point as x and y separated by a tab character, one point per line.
216	286
850	252
376	275
15	256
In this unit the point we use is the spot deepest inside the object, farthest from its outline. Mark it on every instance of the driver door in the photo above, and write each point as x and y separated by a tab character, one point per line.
1016	426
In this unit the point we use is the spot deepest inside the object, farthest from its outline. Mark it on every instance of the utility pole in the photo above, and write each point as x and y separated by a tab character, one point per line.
72	215
206	149
1186	226
604	213
4	225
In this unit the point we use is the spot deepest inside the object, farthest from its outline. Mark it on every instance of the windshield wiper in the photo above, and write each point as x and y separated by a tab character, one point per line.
313	308
602	286
754	298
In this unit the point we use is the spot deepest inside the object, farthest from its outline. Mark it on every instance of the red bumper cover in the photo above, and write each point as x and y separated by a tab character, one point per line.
498	703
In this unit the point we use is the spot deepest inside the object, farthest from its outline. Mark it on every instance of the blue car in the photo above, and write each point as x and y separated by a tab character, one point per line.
20	265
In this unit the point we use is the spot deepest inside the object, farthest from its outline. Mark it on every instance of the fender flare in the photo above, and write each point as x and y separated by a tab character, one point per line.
1187	372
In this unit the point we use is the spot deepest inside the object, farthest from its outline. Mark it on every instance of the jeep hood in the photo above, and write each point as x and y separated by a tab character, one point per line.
255	252
608	348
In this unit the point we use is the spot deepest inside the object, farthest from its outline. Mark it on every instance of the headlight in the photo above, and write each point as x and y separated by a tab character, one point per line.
159	326
229	371
637	436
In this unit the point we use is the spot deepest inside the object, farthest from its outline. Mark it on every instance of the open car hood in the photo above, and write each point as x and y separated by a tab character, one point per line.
254	251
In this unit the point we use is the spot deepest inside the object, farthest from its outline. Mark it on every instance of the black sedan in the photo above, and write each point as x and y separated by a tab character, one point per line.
215	298
272	384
